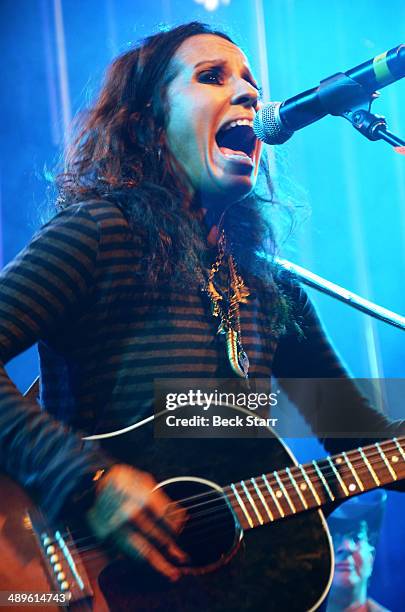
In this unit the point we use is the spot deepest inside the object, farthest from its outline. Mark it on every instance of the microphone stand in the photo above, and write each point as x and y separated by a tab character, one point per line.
340	95
342	294
373	127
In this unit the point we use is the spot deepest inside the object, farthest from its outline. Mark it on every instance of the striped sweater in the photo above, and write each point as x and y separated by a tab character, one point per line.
102	341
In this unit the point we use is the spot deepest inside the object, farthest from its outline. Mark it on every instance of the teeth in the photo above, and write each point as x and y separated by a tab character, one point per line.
233	124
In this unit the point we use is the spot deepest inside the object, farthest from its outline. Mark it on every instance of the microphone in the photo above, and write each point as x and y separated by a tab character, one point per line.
276	122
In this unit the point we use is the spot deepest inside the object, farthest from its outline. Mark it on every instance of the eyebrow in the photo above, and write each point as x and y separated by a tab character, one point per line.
220	62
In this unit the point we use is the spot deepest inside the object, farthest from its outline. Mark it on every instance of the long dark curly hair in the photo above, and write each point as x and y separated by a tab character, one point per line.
119	153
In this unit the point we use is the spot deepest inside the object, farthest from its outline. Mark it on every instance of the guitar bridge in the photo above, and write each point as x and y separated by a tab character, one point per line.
62	560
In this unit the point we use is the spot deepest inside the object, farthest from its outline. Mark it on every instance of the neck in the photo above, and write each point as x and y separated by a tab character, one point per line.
213	218
213	235
348	600
213	210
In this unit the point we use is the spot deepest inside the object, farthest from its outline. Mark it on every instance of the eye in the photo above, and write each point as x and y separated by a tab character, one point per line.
360	537
213	76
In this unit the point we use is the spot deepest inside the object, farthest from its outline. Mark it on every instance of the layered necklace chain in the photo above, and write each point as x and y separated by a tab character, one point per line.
225	305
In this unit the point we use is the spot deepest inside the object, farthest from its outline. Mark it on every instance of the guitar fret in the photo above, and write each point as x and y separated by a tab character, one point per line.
384	458
395	455
242	505
353	471
338	477
284	491
262	499
309	483
399	447
252	503
325	484
370	468
302	498
279	508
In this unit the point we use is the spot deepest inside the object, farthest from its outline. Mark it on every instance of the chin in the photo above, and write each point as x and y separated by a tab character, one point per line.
239	191
235	188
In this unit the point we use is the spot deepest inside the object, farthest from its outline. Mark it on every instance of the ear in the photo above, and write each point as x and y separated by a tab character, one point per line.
372	550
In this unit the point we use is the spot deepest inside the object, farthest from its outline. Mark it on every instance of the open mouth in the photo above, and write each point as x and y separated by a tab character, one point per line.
236	139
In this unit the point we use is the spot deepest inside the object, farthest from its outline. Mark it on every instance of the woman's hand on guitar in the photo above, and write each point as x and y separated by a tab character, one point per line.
142	519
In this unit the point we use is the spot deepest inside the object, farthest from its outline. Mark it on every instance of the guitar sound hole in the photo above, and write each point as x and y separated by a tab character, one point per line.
211	531
210	535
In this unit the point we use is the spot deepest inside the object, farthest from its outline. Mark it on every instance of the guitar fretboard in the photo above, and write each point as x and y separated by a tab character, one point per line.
270	497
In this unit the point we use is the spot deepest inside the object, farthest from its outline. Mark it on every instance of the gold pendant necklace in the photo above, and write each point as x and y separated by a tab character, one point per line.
229	316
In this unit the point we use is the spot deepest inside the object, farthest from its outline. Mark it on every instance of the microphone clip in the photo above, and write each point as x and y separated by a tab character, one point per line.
340	95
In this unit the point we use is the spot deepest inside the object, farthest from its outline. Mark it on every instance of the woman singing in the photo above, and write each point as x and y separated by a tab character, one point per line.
164	206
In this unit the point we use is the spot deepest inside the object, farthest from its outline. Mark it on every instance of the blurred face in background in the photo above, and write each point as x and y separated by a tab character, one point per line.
354	557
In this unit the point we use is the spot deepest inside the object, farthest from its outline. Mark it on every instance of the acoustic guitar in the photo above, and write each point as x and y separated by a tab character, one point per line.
255	535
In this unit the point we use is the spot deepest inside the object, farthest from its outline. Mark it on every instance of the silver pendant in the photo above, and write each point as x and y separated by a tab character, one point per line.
243	360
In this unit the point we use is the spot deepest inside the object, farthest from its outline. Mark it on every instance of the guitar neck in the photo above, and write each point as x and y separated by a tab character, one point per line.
277	495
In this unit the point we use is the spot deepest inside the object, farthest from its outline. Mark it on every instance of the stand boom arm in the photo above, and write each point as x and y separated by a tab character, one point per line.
349	298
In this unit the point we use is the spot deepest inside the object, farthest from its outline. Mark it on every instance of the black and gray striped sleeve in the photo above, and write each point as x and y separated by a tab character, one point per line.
41	290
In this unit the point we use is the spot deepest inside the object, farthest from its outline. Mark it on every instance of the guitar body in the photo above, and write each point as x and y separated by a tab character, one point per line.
21	568
283	566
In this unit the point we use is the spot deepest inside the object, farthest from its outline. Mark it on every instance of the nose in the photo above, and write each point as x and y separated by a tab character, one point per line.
346	545
245	94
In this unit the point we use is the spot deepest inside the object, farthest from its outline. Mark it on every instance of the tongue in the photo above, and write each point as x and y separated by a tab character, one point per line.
226	151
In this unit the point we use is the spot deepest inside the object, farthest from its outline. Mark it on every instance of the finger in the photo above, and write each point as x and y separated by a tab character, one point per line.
173	514
146	522
101	526
136	545
109	513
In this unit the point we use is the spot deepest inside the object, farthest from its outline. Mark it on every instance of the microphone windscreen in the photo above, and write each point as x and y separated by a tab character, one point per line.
268	127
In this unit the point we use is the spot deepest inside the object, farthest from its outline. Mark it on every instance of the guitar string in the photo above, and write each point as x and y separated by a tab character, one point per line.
205	513
287	482
234	504
210	529
199	533
201	530
292	490
227	490
343	469
310	470
203	534
90	554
